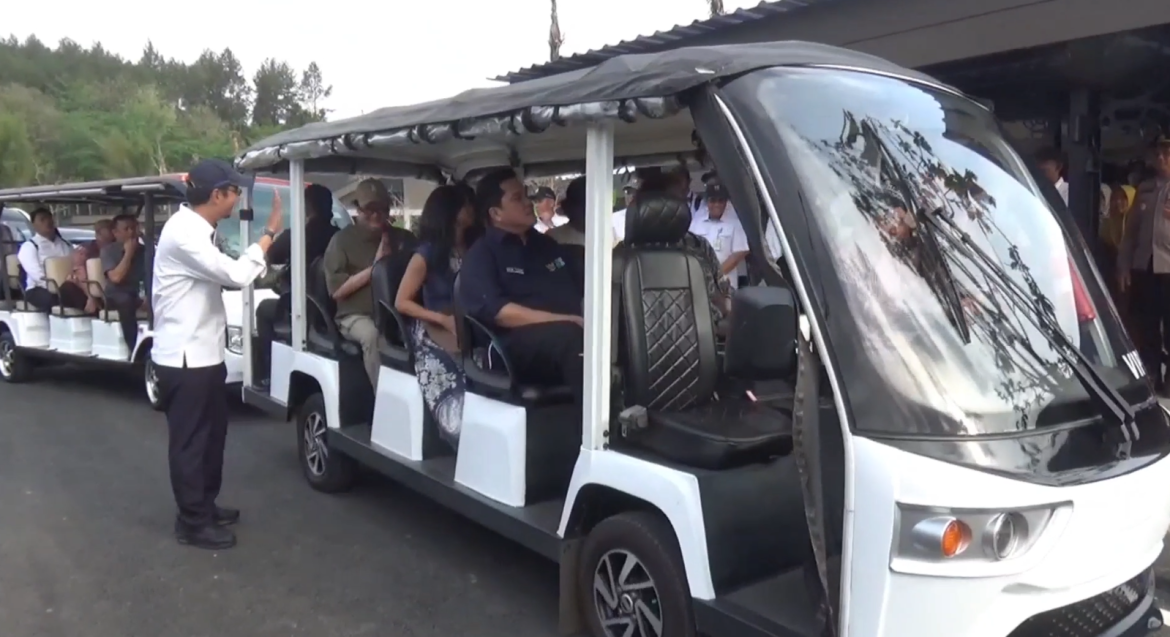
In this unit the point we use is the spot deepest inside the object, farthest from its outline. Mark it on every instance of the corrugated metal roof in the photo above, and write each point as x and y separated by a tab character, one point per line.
673	38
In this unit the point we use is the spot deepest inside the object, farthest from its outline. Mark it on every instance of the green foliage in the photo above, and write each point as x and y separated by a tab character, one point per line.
72	113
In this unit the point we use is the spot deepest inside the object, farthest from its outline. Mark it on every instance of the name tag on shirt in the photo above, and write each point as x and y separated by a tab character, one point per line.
555	264
519	271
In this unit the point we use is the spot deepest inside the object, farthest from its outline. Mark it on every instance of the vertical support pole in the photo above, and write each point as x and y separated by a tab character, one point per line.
1083	152
295	224
247	294
148	255
5	250
598	284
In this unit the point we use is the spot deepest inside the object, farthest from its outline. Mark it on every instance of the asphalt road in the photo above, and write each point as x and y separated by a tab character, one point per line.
86	547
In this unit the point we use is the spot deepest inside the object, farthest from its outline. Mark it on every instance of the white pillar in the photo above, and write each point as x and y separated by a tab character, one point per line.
598	283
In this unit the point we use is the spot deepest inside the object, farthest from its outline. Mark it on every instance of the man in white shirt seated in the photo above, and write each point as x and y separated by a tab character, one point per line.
47	244
188	351
723	231
619	217
545	202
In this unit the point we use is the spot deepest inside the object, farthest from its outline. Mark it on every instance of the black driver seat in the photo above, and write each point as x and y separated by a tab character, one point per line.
671	367
322	335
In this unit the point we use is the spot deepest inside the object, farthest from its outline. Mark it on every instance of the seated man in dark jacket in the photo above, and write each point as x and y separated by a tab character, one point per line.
319	229
520	283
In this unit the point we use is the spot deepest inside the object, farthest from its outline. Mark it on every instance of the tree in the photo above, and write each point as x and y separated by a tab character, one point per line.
276	94
16	152
312	92
555	37
71	113
715	7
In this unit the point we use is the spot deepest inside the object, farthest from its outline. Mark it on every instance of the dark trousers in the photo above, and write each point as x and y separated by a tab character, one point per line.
267	313
71	296
548	352
126	305
197	420
1150	309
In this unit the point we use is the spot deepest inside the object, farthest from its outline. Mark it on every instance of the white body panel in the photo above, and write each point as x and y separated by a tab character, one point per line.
71	335
492	445
1112	530
233	304
398	415
29	329
675	493
286	363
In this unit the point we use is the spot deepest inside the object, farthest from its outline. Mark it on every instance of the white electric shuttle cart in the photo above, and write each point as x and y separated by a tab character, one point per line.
29	337
934	425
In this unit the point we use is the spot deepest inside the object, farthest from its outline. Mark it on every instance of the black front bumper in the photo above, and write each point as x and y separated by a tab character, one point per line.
1127	610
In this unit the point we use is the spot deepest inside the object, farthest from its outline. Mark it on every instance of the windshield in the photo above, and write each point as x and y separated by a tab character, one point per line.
18	223
228	230
954	272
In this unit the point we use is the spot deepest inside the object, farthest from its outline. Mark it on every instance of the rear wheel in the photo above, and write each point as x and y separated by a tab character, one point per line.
15	367
150	383
326	471
631	579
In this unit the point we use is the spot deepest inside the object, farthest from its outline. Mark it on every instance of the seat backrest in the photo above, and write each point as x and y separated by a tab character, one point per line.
94	273
385	279
318	289
58	269
670	361
12	267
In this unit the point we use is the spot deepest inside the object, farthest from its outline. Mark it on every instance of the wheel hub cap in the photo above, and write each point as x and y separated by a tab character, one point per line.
626	596
316	453
7	358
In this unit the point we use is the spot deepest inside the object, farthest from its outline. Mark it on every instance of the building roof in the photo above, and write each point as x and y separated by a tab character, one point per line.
673	38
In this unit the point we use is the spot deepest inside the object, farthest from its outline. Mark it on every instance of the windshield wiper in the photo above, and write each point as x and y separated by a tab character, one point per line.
1106	398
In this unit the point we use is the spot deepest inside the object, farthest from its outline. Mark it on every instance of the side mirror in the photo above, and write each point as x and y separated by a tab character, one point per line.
761	334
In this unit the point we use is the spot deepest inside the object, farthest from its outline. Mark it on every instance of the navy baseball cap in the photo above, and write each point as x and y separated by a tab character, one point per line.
543	193
716	192
213	174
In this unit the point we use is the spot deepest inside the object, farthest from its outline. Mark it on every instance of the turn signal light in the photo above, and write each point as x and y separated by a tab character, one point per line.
956	537
942	537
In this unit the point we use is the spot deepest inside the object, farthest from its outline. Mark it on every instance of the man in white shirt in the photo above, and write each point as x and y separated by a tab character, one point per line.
545	202
1051	163
45	244
723	231
188	350
619	217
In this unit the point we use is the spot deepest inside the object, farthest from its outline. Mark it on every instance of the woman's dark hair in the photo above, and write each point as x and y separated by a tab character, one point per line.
436	224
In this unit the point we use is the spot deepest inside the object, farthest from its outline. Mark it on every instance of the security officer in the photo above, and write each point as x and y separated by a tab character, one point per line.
523	284
1143	263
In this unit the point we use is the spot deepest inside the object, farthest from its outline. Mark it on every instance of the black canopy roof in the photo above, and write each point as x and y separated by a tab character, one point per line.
164	188
625	78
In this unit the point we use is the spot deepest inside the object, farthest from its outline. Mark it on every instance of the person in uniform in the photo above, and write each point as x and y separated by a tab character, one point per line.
1143	264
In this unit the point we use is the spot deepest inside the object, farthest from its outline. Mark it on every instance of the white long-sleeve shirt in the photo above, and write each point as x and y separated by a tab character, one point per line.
187	296
32	255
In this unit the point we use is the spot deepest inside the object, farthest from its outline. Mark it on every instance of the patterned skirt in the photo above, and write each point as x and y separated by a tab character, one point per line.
441	381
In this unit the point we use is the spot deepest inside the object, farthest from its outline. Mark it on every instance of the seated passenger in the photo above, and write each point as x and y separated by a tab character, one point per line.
573	207
520	283
47	244
319	230
349	260
447	227
124	262
723	231
619	216
103	236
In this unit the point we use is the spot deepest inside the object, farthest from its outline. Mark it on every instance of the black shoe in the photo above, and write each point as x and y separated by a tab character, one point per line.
226	517
205	537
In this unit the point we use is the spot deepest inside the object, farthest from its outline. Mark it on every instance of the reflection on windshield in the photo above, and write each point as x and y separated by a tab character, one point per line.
227	233
877	158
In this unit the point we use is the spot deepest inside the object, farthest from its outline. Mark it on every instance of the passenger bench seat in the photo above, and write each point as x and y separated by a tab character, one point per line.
672	369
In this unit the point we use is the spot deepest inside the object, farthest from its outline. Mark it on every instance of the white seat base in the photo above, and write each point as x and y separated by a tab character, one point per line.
492	447
31	329
71	335
398	414
108	342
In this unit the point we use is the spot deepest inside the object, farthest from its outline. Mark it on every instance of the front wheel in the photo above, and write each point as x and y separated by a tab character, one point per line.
632	581
327	471
15	367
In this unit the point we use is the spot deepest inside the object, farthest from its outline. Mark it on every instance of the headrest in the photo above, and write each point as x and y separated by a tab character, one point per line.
761	334
657	219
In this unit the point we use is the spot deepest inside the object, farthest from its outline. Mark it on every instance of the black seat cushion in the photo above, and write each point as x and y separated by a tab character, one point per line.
544	394
322	335
721	434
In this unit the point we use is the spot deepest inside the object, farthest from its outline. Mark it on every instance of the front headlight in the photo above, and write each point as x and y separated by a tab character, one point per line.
235	340
966	542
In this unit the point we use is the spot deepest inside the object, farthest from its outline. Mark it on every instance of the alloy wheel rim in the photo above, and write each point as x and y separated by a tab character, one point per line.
7	358
316	453
626	597
151	375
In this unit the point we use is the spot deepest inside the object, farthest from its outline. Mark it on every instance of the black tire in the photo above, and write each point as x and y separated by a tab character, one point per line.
150	386
15	367
648	538
328	472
